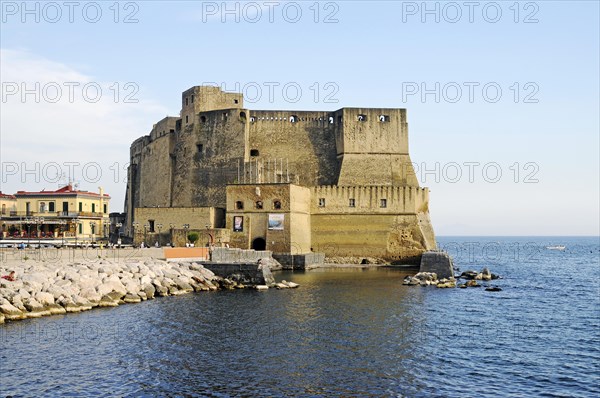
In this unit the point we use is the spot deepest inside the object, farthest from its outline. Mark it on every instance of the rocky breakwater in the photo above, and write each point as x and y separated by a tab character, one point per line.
41	289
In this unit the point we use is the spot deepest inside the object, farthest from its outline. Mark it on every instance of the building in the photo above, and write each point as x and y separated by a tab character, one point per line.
67	213
339	182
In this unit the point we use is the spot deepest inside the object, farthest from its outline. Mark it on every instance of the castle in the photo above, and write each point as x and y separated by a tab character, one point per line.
292	182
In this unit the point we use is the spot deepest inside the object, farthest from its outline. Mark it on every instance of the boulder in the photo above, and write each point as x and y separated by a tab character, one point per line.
35	308
130	298
149	289
493	289
107	301
261	287
45	298
161	291
468	275
82	302
91	295
69	305
111	286
55	309
446	283
486	274
183	285
472	283
10	312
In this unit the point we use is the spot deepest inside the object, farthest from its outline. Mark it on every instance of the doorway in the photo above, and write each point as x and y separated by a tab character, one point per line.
259	244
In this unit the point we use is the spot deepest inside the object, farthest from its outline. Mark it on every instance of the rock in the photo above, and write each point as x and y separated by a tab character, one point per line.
479	276
18	304
10	312
293	285
1	318
468	275
493	289
261	287
35	308
161	291
472	283
494	276
486	275
55	309
446	283
183	285
149	290
462	286
111	286
130	298
69	305
91	295
281	285
107	301
82	303
45	298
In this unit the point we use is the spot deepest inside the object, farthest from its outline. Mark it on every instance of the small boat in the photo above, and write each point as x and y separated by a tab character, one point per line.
556	247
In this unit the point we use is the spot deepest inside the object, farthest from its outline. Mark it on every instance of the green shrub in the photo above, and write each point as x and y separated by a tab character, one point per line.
193	237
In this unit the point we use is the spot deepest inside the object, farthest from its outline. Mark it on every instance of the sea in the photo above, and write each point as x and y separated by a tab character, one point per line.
345	332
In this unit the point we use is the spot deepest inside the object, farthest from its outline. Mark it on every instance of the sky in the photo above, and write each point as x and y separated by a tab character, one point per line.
503	98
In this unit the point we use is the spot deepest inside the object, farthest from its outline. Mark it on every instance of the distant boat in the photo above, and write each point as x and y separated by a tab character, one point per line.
556	247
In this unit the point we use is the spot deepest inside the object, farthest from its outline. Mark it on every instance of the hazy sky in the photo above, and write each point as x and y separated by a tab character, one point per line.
502	97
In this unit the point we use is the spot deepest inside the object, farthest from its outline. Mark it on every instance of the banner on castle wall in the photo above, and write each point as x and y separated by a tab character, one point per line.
276	222
238	224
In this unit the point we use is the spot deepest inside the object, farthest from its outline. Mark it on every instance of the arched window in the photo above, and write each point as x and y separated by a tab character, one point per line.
243	117
293	119
362	118
330	119
254	152
239	205
384	118
42	207
276	204
259	204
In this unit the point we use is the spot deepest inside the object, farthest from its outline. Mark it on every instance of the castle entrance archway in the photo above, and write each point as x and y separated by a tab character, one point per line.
259	244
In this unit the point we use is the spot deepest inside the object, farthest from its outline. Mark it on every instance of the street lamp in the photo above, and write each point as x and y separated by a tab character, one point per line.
171	227
92	231
146	228
75	227
119	225
38	222
185	228
159	227
62	224
28	221
135	226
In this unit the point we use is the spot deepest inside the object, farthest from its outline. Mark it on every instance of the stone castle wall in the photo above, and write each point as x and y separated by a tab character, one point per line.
352	153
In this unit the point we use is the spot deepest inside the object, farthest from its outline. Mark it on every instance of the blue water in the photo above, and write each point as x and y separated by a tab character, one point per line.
342	333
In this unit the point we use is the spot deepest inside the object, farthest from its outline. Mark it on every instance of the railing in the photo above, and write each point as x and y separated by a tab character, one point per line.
64	214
